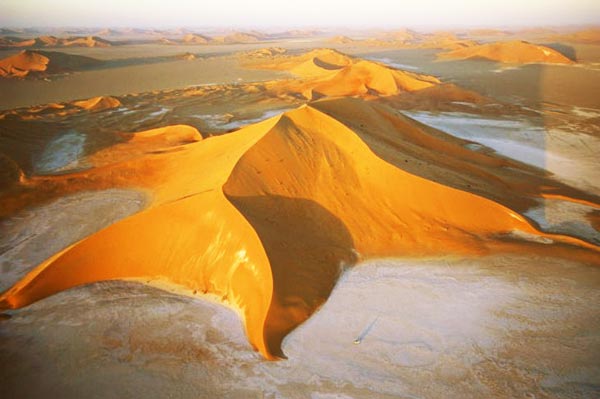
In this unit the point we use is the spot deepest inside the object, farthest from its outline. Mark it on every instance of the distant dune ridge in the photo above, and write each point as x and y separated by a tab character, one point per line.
586	36
52	41
42	63
327	72
515	52
266	217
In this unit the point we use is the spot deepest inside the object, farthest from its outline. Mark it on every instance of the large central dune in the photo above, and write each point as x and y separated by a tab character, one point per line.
267	217
514	52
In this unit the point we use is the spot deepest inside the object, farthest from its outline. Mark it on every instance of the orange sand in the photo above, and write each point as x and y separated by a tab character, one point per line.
20	65
41	63
98	103
515	52
265	217
326	72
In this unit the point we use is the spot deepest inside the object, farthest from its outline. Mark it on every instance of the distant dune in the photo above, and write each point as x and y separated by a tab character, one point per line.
515	52
41	63
22	64
487	32
52	41
586	36
98	103
238	37
408	39
195	39
326	72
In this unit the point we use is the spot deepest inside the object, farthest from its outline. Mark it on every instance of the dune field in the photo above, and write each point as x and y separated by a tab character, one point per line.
306	214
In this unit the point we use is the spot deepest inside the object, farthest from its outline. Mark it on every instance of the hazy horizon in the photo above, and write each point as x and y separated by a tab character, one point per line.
302	14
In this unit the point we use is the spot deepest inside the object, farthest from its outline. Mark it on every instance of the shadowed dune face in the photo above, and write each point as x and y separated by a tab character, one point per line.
266	217
306	246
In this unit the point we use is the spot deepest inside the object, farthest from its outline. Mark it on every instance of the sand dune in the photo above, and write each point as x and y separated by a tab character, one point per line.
265	217
238	37
98	103
264	52
586	36
329	73
29	63
487	32
22	64
53	41
514	52
195	39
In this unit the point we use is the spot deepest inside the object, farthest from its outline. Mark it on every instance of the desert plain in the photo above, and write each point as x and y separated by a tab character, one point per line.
304	214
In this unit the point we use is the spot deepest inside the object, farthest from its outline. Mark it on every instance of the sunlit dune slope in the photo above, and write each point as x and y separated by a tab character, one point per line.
515	52
326	72
53	41
98	103
266	217
20	65
190	235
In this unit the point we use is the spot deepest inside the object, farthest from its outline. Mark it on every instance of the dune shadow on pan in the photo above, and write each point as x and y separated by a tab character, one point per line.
307	247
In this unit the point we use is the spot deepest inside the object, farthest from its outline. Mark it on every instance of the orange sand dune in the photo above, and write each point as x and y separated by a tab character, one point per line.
195	39
238	37
326	72
265	217
264	52
587	36
515	52
98	103
39	63
22	64
88	41
401	35
47	41
487	32
53	41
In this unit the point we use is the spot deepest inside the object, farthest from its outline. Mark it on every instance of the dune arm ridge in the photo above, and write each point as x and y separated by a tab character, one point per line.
190	235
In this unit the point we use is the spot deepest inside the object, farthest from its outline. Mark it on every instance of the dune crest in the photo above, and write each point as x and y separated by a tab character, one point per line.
266	217
514	52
